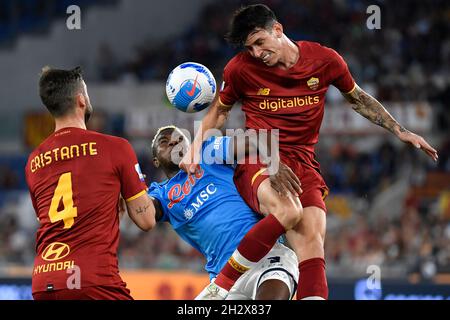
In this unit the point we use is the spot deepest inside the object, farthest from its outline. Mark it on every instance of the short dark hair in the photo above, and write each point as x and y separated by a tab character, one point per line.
58	88
247	19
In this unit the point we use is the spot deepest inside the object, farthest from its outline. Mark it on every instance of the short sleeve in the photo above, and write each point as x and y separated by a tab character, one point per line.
228	93
341	76
131	178
156	192
216	150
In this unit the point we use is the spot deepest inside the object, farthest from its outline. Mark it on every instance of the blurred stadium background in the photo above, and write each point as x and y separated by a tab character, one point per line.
389	204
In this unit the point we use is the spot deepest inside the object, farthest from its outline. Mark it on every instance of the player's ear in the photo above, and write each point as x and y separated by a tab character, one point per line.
156	162
81	100
277	29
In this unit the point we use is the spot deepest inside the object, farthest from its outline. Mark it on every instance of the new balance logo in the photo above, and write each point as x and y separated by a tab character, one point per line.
263	92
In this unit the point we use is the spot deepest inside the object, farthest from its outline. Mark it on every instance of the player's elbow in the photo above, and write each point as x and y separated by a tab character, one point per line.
148	224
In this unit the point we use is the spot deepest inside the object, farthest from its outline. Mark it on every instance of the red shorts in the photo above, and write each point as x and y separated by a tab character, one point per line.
106	292
248	177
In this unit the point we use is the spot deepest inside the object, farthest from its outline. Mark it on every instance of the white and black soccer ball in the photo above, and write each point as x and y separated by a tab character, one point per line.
191	87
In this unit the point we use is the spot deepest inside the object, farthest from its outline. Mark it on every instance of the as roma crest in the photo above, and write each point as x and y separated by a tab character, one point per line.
313	83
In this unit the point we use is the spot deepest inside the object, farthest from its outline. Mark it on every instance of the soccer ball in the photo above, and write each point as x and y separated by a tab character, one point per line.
191	87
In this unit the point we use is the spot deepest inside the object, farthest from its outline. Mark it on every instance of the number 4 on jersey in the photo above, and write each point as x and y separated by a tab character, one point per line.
63	190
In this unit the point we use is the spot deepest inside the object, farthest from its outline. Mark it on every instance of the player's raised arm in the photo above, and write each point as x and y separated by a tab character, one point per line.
142	211
214	119
370	108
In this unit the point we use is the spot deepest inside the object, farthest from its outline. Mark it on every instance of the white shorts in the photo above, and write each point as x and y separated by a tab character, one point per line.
280	264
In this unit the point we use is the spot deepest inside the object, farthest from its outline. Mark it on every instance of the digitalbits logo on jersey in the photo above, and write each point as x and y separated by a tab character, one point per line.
191	87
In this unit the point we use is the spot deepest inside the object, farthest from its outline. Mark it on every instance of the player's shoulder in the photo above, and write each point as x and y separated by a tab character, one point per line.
238	62
157	187
110	139
156	184
40	148
316	50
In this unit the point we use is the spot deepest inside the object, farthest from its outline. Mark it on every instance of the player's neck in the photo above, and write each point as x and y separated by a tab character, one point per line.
291	54
171	172
72	122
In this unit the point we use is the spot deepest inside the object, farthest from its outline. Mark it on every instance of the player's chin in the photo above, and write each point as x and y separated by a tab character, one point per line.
270	62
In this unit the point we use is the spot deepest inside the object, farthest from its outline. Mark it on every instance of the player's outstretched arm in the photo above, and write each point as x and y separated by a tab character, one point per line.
142	211
214	119
370	108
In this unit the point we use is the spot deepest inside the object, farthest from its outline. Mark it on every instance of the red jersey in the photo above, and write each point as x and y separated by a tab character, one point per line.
75	178
289	100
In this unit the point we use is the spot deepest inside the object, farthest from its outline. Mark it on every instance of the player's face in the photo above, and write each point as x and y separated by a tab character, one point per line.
265	45
171	147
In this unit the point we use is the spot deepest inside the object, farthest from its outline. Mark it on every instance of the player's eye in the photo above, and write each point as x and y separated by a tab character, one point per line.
250	49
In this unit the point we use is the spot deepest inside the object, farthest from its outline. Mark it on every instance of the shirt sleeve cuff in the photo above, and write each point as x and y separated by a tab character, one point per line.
136	196
224	104
353	89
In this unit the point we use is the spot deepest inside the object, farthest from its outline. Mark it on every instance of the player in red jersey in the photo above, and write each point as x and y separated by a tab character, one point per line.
282	84
75	178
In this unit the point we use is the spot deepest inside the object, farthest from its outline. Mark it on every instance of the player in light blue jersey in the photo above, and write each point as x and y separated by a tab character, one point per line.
206	210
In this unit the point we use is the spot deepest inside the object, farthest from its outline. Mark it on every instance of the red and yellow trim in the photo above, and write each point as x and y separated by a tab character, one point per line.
353	89
256	175
237	266
136	196
224	105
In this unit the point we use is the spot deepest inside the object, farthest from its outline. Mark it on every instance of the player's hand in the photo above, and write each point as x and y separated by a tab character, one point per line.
284	181
188	164
418	142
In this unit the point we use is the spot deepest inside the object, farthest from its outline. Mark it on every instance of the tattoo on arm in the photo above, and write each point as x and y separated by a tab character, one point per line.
371	109
142	210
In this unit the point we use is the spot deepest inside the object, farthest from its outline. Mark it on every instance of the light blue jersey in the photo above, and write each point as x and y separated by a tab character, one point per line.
205	209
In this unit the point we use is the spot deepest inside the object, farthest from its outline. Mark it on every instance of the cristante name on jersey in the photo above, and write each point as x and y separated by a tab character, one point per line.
63	153
283	103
